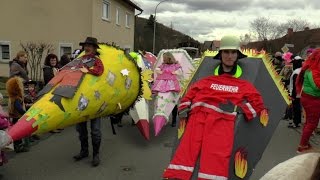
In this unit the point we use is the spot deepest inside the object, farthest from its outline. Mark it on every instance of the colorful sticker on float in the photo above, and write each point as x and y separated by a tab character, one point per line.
43	127
41	120
82	103
116	92
264	118
119	106
111	77
33	112
128	83
93	80
102	108
125	72
120	58
97	95
66	116
241	163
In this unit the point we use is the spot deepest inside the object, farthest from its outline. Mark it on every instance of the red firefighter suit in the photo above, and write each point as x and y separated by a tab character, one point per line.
210	130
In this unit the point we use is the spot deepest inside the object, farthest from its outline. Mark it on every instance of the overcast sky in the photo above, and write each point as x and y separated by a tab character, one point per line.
211	19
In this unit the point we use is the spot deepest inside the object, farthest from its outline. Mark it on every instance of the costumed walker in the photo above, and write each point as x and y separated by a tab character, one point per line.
67	100
167	89
212	108
140	111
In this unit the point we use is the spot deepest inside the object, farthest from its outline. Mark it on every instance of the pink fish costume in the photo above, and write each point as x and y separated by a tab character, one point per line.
167	89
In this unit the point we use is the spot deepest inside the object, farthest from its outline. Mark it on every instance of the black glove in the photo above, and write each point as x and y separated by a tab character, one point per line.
228	107
184	113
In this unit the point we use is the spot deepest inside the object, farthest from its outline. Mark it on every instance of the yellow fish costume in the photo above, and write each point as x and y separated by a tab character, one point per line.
113	92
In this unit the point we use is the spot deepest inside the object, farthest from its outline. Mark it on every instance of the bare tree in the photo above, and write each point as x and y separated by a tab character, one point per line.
246	38
151	20
261	26
36	52
297	24
264	28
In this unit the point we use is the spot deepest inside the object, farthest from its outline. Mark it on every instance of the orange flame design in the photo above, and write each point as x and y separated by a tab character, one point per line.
264	118
241	164
182	127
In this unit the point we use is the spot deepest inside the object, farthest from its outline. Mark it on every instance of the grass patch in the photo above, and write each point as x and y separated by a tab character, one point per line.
2	85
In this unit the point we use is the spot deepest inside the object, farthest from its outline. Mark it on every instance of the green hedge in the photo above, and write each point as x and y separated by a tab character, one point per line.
3	90
3	79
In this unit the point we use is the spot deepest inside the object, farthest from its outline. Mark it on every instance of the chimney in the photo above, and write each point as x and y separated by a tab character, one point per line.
306	28
290	32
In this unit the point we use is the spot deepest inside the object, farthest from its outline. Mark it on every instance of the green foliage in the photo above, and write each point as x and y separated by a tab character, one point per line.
166	37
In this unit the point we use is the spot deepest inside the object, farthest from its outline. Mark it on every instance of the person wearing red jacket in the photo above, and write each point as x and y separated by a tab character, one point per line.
71	75
67	81
210	106
308	86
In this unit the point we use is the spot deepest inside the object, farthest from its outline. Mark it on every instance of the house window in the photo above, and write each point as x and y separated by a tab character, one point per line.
127	50
128	20
65	49
106	10
4	51
118	16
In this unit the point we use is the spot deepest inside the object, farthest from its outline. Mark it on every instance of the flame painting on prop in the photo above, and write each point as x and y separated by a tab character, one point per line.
166	101
241	163
140	111
264	118
182	127
112	92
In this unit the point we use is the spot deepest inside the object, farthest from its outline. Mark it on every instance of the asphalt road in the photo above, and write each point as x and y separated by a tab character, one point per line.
125	156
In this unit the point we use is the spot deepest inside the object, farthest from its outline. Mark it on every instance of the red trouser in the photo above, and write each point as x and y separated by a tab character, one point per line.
311	106
210	132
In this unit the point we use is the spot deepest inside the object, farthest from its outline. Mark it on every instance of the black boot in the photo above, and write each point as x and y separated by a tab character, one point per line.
96	141
35	137
19	146
80	156
83	153
20	149
95	160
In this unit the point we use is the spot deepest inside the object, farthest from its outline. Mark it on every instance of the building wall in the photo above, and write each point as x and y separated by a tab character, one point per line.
47	21
60	22
108	30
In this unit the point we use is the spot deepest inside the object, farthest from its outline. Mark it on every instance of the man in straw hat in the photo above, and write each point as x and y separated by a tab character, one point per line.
71	75
67	81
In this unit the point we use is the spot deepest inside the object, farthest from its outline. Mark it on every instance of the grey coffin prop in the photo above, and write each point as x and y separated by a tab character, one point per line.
251	136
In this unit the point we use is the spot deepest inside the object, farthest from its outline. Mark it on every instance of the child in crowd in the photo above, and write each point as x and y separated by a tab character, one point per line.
29	99
30	94
4	124
16	108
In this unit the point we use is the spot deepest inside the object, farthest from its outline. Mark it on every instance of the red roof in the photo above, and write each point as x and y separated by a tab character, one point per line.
300	40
